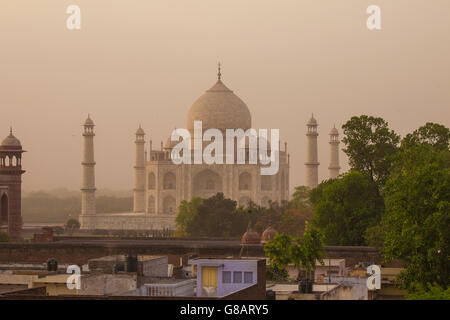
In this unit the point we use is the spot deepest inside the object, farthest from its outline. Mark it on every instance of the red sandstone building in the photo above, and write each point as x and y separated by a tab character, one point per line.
11	186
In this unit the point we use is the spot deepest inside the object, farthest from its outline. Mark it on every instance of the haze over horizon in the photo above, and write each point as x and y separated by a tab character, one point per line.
135	62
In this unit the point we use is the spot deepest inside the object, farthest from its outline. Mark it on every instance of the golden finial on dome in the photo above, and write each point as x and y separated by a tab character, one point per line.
219	74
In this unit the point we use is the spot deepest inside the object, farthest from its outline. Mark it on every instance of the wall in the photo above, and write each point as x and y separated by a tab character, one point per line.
257	267
353	288
178	289
155	267
240	266
79	252
17	279
107	284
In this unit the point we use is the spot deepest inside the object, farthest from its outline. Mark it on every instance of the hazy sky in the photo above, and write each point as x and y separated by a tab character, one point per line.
140	61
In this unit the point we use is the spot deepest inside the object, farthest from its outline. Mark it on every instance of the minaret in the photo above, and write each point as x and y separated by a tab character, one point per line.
139	172
88	164
312	164
334	153
11	186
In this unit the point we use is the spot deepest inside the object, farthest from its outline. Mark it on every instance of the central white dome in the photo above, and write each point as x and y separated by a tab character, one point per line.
219	108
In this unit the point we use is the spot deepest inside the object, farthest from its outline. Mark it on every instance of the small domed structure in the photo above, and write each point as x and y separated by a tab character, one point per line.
89	121
170	144
268	234
250	237
11	141
334	131
140	131
312	121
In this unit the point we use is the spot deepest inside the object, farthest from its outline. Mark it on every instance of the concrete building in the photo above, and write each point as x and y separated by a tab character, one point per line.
330	267
11	187
144	265
334	166
312	163
168	287
160	184
335	267
221	277
353	289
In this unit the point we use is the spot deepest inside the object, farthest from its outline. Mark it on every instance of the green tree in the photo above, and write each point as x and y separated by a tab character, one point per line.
279	251
214	218
303	253
433	134
4	237
307	251
431	292
300	199
58	230
292	222
369	144
417	216
187	211
345	207
374	236
252	213
72	225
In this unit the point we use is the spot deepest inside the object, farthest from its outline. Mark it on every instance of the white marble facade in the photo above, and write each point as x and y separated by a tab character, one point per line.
160	185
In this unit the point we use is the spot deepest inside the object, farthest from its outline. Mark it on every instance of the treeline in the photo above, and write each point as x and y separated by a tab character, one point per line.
47	207
396	197
218	216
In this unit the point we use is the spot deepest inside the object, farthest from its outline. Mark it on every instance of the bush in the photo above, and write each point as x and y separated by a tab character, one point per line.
73	224
4	237
433	292
58	230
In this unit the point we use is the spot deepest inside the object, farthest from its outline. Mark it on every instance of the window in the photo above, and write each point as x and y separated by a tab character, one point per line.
248	277
237	277
226	276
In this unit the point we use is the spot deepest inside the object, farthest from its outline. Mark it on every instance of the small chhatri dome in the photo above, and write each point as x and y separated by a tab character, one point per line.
140	131
11	141
89	121
334	131
312	121
170	144
268	234
219	108
250	237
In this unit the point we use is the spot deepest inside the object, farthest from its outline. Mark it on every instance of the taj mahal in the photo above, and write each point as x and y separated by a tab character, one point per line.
160	185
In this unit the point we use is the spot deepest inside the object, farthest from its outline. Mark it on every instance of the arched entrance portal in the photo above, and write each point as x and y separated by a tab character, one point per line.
4	210
206	184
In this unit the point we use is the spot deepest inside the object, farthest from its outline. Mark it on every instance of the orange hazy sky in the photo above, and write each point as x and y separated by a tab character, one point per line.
146	62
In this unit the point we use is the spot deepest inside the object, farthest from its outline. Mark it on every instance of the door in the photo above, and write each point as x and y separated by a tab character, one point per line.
209	277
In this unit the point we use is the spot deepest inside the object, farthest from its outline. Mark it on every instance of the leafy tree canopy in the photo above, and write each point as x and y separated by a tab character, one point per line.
417	216
303	253
431	292
300	199
73	224
279	252
369	143
214	218
433	134
186	214
219	217
345	207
